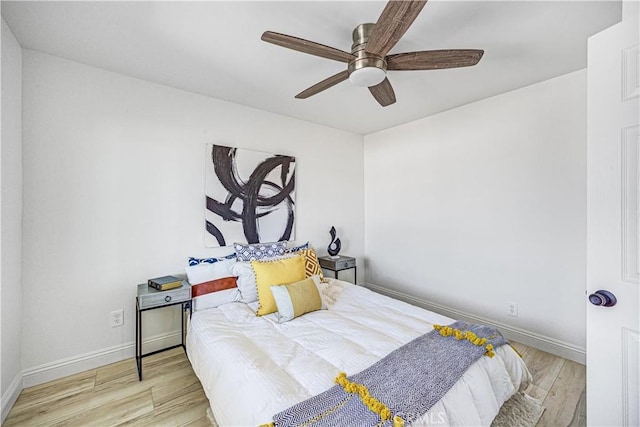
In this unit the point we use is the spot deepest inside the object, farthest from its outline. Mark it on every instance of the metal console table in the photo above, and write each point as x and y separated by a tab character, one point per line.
150	299
339	264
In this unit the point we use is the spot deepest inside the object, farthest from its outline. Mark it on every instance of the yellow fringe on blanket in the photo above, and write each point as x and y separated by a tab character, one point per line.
447	331
372	403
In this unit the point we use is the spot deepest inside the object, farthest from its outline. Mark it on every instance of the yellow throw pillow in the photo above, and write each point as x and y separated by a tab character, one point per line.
298	298
311	264
277	272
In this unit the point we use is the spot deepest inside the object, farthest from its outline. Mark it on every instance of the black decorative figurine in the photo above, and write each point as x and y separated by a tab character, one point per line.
335	245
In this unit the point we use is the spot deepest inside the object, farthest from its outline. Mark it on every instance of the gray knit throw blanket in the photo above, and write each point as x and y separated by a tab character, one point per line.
408	381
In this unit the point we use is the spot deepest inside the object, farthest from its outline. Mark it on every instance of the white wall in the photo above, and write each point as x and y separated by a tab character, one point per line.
11	218
114	194
485	204
469	208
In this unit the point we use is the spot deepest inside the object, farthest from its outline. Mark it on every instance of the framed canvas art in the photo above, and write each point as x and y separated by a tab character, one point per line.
250	196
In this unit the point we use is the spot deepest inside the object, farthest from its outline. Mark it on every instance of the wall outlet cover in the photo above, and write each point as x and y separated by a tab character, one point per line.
116	318
512	309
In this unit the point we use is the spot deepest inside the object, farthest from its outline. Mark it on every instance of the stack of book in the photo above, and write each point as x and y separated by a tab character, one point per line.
165	283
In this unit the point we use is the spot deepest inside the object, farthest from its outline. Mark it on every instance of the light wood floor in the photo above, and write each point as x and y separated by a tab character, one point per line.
171	395
559	383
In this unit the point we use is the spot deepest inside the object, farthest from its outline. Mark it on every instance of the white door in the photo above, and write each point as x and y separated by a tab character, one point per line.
613	160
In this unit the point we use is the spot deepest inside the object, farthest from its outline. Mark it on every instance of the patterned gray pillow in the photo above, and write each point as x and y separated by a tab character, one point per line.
257	251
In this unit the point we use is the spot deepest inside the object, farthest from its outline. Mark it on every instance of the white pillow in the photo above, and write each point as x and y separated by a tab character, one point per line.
203	293
215	299
246	281
205	272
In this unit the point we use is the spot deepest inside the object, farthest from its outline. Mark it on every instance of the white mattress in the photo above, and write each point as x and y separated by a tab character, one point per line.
252	368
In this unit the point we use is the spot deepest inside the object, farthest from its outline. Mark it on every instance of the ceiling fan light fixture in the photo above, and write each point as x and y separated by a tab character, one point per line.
368	61
367	76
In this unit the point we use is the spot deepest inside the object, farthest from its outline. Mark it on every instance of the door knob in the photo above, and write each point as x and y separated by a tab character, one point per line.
603	298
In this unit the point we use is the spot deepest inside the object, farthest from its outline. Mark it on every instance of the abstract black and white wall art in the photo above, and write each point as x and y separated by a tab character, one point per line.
250	196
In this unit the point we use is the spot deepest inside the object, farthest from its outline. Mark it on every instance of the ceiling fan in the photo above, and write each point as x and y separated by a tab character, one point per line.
368	61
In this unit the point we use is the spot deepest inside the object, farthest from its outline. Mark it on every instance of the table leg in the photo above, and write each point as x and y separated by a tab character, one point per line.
139	342
183	309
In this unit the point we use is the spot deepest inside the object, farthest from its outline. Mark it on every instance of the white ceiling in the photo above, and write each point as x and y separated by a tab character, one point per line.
214	49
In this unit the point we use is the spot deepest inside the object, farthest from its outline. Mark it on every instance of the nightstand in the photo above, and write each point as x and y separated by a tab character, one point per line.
149	299
339	264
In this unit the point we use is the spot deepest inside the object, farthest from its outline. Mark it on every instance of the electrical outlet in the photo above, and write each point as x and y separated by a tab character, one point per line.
117	318
512	308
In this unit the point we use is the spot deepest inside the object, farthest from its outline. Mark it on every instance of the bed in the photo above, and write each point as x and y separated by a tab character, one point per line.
254	367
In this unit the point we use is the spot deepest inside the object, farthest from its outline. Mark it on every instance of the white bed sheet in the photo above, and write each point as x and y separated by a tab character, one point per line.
252	368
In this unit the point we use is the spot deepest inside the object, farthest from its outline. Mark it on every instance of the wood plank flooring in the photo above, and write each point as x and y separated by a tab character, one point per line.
171	395
559	383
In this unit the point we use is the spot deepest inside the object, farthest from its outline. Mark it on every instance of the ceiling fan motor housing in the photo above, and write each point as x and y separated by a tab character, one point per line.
367	69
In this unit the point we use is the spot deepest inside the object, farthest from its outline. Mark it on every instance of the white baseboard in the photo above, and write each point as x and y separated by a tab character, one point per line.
76	364
10	396
83	362
92	360
532	339
72	365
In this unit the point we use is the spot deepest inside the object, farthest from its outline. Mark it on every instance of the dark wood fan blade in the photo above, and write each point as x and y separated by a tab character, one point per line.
383	93
325	84
434	59
395	20
306	46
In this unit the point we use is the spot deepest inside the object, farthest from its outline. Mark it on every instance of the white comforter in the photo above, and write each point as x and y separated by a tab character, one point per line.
252	367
